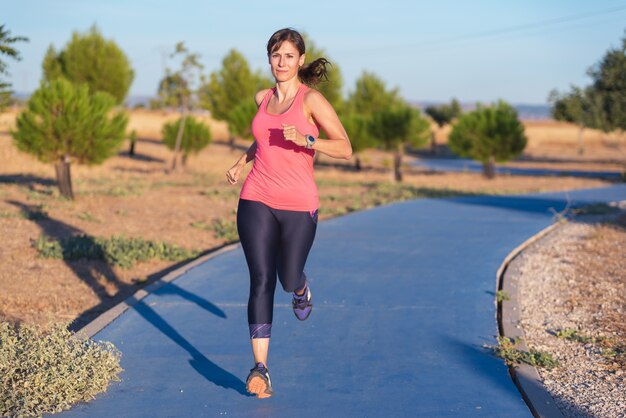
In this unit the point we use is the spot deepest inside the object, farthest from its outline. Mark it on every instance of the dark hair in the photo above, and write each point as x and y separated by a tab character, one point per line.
310	74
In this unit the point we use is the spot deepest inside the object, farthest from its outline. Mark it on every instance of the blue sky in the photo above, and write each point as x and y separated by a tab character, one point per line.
481	50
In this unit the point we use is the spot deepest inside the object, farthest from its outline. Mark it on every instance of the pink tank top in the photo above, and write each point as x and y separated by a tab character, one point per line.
282	174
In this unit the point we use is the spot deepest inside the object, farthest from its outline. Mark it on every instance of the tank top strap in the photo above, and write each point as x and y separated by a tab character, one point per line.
269	93
299	100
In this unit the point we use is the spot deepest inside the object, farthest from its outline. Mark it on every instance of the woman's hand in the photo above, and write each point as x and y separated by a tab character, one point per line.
291	134
235	172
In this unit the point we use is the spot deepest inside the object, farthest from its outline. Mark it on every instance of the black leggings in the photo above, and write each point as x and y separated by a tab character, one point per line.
275	242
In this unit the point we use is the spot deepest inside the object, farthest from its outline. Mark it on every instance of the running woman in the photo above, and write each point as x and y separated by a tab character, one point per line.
277	213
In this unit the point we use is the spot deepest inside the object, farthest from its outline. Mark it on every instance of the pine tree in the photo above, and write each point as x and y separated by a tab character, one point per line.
371	96
6	40
91	59
442	115
397	127
227	88
609	83
488	134
331	89
358	128
195	138
240	119
64	123
582	107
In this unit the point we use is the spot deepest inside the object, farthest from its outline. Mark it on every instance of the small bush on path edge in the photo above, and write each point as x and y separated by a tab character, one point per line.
48	371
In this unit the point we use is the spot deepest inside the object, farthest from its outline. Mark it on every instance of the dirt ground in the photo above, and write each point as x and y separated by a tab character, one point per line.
572	287
136	197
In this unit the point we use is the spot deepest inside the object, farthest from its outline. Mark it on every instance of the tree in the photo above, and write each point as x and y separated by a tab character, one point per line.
371	96
398	126
358	128
609	82
442	115
232	84
331	89
240	119
65	123
173	91
582	107
89	58
488	134
196	136
177	90
6	40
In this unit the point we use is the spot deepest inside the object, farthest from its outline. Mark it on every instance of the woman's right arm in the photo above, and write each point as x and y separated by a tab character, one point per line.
235	171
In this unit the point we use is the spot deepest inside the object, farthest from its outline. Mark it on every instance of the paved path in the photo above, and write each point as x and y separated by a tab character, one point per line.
403	304
465	165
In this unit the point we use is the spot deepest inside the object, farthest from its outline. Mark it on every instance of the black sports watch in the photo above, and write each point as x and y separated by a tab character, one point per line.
310	141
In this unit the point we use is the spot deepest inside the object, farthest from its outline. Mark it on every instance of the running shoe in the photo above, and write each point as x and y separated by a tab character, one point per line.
302	305
258	382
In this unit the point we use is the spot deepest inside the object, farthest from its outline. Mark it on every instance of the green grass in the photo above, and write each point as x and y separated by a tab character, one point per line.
48	371
201	225
225	230
611	349
116	251
571	334
87	216
506	349
501	296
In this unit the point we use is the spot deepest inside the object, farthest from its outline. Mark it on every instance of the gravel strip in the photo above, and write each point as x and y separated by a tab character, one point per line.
574	280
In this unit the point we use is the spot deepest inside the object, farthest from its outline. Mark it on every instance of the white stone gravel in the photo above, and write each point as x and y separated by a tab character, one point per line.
560	288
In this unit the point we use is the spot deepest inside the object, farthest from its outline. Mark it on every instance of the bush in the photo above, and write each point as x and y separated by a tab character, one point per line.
46	372
120	251
196	136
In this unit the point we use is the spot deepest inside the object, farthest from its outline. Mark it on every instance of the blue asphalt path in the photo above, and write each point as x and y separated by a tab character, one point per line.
403	305
465	165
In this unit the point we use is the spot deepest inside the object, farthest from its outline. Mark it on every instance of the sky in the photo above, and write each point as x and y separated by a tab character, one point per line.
483	50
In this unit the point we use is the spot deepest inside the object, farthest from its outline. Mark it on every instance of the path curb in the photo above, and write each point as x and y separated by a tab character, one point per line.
525	377
104	319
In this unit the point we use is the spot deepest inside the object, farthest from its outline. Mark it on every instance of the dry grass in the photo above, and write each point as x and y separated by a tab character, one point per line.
135	197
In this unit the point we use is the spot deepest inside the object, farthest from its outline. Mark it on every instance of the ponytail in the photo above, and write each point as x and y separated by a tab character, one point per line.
314	72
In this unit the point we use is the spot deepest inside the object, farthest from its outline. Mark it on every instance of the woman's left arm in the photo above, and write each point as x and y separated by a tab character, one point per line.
337	145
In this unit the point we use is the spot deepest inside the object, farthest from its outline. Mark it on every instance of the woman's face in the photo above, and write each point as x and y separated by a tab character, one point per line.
285	61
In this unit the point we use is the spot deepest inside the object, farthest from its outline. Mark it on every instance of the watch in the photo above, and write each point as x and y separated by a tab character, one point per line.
310	141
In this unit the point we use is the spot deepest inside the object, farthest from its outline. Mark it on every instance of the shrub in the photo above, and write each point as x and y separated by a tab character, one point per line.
196	136
46	372
120	251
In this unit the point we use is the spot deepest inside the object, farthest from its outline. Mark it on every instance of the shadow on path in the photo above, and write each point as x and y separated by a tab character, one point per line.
212	372
198	361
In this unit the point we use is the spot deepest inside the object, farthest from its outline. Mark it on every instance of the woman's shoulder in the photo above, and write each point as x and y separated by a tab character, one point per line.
260	95
313	98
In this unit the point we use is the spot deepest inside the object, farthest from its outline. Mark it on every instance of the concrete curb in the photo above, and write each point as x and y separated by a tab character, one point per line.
104	319
526	377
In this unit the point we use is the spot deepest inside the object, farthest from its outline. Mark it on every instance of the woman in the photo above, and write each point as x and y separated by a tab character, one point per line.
277	214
